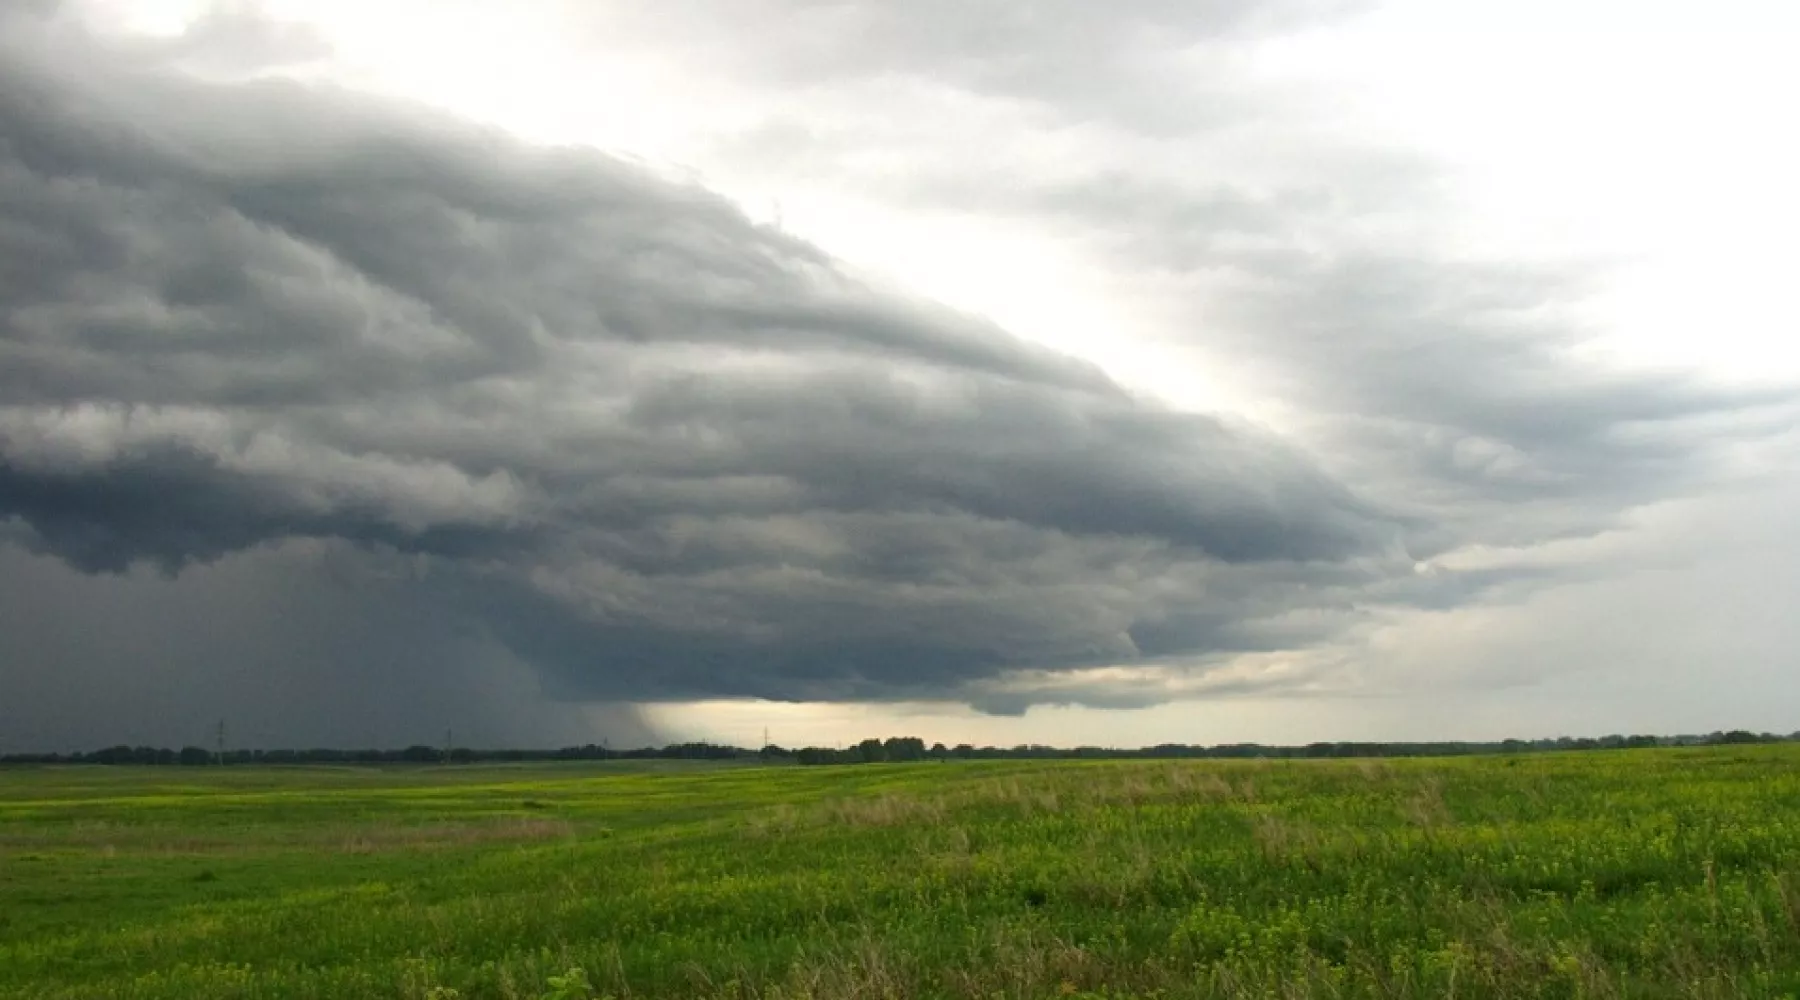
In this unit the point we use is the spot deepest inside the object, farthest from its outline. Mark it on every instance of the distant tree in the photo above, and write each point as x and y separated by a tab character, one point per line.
898	748
902	748
112	755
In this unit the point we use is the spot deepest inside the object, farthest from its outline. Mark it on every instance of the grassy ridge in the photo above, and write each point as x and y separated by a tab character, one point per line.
1663	873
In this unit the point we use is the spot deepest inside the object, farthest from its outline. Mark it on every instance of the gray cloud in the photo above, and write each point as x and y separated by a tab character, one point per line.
568	429
615	431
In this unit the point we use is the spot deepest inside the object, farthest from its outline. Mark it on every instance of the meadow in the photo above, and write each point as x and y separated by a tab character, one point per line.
1639	873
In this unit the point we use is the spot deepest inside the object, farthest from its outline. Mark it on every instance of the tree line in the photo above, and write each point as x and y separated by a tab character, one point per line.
894	749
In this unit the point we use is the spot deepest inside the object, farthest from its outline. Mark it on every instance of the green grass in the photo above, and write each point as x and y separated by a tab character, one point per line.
1662	873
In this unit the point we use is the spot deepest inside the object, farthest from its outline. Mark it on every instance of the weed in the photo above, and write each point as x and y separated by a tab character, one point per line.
571	985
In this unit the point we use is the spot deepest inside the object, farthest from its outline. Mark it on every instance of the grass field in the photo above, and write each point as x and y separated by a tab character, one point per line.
1663	873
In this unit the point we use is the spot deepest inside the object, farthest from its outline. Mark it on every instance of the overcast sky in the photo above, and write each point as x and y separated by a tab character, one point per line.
1006	371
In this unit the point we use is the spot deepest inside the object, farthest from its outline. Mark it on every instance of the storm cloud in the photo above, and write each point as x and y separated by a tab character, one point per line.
551	415
654	449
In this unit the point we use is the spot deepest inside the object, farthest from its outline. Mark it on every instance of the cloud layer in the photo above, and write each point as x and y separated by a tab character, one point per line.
660	451
621	434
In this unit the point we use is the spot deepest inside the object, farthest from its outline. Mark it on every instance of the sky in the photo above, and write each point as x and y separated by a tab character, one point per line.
997	372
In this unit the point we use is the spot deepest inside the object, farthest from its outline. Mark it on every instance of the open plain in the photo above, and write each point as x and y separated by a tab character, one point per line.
1658	873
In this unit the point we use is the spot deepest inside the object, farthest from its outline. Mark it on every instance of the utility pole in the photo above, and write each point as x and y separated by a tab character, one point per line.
220	741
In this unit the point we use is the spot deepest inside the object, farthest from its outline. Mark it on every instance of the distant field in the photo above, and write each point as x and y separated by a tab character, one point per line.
1661	873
